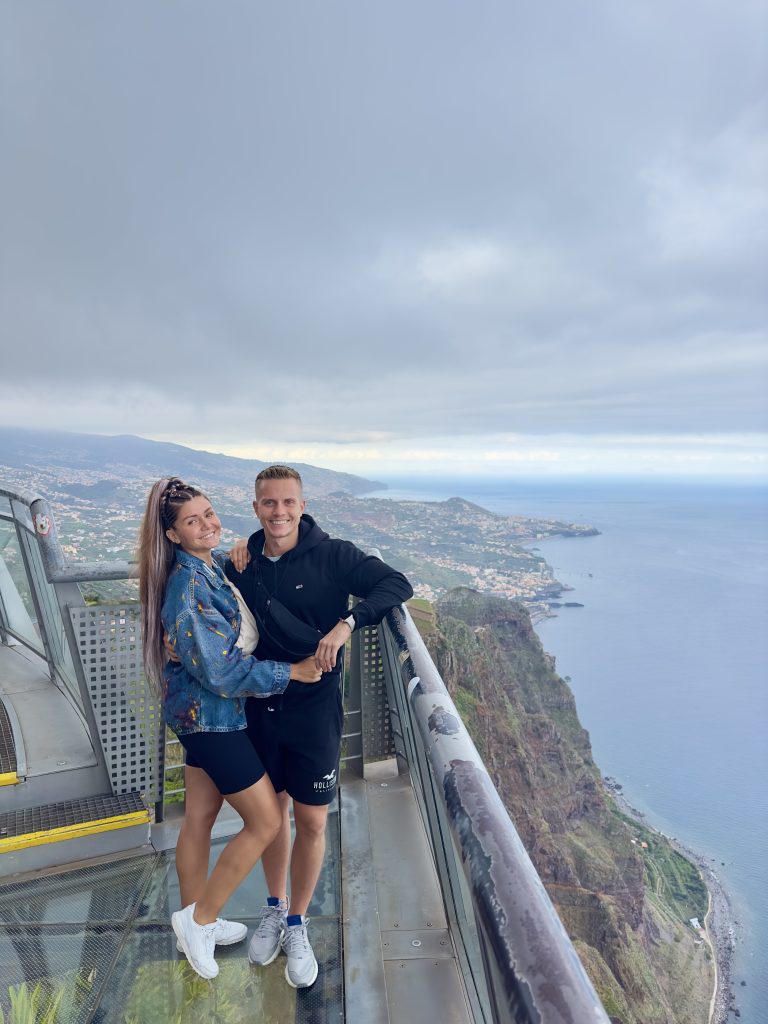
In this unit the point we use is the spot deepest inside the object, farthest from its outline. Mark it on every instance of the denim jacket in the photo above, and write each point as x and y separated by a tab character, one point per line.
205	691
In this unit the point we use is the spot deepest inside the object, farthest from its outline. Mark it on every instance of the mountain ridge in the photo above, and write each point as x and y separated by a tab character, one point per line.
132	455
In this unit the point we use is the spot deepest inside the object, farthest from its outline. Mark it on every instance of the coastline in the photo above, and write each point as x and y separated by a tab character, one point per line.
719	931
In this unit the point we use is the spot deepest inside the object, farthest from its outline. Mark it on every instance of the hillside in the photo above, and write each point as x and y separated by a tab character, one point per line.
78	457
625	905
97	488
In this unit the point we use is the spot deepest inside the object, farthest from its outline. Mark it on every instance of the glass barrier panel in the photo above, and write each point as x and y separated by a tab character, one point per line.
18	608
53	622
456	895
110	591
461	911
173	772
22	514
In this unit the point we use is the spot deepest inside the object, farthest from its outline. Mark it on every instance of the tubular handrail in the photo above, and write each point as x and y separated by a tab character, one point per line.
23	497
532	970
57	569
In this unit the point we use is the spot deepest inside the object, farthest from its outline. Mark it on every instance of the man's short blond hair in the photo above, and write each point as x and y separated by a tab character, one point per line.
278	472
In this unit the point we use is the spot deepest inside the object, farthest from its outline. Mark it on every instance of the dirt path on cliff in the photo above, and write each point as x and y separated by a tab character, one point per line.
713	951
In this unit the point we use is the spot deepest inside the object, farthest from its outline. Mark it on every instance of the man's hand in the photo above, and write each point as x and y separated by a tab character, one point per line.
328	648
306	671
240	556
170	650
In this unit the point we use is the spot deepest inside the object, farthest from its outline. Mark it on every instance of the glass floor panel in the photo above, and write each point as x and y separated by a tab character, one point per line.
93	945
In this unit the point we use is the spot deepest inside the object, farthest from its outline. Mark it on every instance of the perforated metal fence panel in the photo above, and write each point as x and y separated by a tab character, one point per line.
7	745
128	715
377	732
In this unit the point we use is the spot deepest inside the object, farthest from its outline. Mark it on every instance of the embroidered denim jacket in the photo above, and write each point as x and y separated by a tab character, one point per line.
205	691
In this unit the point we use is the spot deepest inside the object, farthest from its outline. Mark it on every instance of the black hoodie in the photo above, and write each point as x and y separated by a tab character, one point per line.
314	580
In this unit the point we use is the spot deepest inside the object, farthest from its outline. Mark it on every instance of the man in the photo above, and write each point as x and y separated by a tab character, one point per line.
297	570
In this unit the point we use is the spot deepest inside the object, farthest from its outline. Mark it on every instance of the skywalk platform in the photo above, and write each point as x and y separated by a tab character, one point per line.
428	908
97	938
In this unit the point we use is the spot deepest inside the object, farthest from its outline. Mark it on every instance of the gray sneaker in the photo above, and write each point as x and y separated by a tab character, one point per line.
265	942
197	941
301	969
225	933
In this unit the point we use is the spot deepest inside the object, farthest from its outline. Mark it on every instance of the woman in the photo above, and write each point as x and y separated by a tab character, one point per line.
185	595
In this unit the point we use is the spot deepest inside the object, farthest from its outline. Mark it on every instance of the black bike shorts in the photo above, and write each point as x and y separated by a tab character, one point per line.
229	758
298	737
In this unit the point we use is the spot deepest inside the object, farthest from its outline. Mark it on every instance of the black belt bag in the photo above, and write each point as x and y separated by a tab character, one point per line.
283	629
280	626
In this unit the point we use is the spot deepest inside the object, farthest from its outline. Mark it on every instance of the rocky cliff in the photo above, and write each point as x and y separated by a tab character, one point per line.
624	895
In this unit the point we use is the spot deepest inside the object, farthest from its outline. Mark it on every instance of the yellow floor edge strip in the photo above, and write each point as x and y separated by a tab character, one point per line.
74	831
8	778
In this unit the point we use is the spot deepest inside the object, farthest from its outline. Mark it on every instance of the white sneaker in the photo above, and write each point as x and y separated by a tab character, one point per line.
197	941
265	941
301	969
226	933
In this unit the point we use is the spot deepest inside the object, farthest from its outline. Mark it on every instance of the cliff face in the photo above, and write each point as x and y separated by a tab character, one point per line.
625	906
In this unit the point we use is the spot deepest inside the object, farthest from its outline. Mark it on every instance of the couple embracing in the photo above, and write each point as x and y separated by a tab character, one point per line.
252	690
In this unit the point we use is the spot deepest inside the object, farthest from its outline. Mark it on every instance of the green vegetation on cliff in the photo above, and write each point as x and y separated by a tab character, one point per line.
625	905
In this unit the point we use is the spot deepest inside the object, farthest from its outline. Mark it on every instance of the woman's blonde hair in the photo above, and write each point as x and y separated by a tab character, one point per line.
155	556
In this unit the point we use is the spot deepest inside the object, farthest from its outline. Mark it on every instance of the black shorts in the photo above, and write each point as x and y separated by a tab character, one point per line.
298	738
229	758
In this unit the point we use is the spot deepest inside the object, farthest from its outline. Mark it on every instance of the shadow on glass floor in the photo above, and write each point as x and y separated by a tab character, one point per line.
94	944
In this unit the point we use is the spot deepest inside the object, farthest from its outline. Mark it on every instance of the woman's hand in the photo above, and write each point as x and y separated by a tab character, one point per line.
306	671
240	556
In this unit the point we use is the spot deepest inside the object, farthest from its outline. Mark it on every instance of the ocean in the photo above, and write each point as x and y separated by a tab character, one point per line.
668	660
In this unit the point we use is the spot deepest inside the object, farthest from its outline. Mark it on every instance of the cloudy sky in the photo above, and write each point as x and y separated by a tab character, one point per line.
391	237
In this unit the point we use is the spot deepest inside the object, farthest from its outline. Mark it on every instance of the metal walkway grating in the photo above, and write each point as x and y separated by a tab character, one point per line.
99	939
46	817
7	746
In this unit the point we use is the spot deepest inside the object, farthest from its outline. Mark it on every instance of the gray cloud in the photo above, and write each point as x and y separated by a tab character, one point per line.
336	221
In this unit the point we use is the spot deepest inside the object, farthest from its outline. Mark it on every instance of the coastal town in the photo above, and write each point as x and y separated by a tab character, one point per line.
439	545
